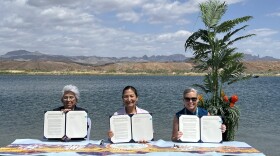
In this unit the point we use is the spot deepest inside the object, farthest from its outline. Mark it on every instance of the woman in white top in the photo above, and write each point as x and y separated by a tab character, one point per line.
130	98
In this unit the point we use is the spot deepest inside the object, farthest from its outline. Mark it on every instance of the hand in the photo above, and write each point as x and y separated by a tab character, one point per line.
177	136
223	128
65	138
110	134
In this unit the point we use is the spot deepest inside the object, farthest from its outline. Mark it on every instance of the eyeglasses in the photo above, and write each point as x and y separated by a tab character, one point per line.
187	99
71	98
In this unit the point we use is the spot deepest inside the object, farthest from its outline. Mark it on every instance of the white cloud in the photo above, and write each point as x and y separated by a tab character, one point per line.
13	20
179	35
104	6
274	14
129	16
50	3
262	46
263	32
167	11
65	15
111	27
234	1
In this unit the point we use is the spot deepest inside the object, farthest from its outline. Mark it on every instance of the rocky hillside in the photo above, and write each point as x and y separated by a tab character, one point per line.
36	62
263	67
253	67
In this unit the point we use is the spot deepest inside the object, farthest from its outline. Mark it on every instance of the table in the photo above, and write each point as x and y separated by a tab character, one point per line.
99	147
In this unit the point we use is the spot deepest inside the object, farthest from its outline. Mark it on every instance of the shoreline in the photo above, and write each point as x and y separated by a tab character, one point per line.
22	72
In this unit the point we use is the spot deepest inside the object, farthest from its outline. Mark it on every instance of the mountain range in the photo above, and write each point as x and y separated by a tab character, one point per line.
23	55
37	62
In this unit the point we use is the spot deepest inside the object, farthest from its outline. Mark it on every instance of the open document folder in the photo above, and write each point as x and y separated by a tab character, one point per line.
131	128
72	124
204	129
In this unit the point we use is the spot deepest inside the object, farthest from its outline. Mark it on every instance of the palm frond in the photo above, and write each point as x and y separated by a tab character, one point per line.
239	38
191	41
241	19
212	12
201	87
230	24
229	34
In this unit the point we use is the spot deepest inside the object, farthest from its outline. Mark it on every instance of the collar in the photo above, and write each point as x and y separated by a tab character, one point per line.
191	113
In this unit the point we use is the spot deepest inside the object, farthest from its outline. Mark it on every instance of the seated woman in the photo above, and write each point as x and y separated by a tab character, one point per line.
190	98
70	97
130	98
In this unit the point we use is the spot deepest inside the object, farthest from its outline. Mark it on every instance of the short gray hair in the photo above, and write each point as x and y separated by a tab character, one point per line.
71	88
188	90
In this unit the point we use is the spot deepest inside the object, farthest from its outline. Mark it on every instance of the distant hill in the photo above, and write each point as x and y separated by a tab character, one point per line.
249	57
253	67
23	55
177	63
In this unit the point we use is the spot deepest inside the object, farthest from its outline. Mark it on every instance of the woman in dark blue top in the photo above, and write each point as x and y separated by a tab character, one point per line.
69	99
190	108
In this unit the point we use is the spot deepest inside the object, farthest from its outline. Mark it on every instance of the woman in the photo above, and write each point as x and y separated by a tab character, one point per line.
130	98
190	108
70	97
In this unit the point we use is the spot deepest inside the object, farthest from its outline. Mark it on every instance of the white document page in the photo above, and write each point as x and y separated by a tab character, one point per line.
190	126
120	125
76	124
142	127
211	129
54	124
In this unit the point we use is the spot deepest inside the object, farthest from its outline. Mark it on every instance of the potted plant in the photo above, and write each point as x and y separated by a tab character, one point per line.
214	54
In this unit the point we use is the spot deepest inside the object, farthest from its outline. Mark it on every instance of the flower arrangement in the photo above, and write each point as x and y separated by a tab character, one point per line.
227	109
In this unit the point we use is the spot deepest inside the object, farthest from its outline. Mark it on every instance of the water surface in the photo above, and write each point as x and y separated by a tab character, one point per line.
25	98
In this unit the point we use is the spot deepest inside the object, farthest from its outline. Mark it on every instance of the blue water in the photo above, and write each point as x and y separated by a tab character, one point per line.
24	99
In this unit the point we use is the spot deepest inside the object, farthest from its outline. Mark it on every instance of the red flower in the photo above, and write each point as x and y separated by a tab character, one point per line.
231	104
225	98
233	98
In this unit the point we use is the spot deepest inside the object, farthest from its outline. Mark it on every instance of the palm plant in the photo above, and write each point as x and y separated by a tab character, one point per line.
214	54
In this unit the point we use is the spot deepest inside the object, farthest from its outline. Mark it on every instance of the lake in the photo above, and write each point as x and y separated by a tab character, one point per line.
24	99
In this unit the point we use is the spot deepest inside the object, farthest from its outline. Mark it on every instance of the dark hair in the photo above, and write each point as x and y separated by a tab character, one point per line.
130	87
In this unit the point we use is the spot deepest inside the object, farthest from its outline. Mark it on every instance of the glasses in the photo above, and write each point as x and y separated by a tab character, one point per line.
187	99
70	98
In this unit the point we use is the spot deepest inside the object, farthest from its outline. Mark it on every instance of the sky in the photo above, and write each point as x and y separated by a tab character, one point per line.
128	28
